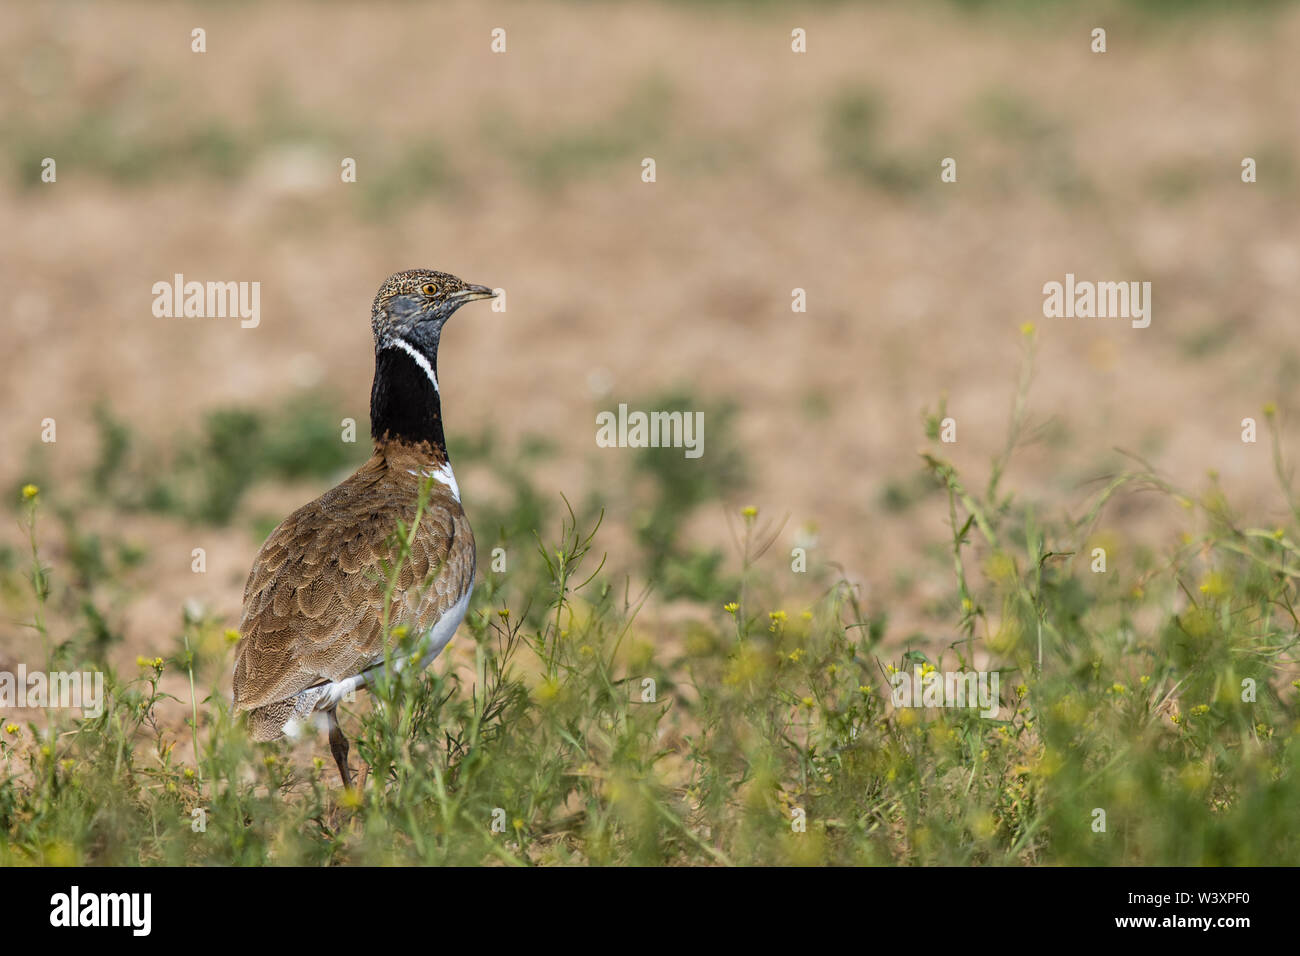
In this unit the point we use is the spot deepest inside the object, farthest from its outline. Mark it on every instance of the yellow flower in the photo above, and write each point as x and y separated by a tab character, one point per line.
1118	688
232	636
731	608
747	665
1270	409
11	728
1194	777
808	702
30	492
795	654
999	567
61	854
1028	329
547	691
189	773
504	612
1214	585
749	513
1200	710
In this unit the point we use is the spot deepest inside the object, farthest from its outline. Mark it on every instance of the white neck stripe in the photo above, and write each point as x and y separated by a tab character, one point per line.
420	360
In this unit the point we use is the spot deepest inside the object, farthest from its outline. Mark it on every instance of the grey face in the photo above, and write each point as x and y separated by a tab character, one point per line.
414	305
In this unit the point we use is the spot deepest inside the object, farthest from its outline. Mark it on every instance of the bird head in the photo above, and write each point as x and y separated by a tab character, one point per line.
413	305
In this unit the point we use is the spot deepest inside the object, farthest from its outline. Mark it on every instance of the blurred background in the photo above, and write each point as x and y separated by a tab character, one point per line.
522	170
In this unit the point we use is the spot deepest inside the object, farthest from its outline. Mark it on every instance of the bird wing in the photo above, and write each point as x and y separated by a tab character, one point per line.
313	604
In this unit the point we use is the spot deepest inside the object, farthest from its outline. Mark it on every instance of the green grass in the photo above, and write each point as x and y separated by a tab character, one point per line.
206	473
854	141
583	735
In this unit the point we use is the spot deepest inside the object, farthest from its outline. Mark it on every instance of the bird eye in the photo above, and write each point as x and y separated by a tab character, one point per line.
429	288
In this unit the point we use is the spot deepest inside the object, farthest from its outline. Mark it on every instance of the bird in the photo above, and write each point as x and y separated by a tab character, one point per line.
313	624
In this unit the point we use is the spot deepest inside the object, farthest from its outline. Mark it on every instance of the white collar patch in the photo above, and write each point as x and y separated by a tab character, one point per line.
442	474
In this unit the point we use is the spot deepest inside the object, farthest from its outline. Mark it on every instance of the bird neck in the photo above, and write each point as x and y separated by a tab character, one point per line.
404	401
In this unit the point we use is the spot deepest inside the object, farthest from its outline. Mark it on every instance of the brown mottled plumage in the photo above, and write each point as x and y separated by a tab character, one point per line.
313	606
312	614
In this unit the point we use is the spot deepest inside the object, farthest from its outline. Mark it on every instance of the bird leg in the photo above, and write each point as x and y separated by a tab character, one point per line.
339	747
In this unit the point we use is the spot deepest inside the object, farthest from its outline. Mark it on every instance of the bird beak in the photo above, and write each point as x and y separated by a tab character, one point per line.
472	293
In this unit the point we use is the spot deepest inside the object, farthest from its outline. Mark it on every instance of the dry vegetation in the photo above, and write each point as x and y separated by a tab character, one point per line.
775	171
